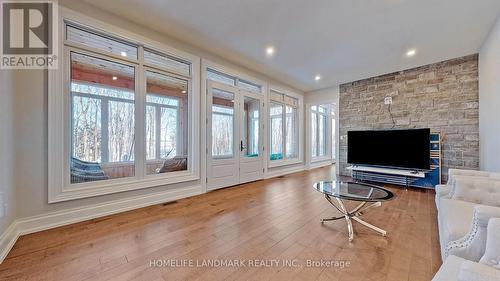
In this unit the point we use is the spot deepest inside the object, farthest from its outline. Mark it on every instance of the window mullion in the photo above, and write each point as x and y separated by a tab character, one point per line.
178	143
104	130
317	134
283	122
140	116
158	131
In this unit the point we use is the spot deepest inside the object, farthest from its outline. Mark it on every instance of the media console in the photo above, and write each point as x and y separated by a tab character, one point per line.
423	179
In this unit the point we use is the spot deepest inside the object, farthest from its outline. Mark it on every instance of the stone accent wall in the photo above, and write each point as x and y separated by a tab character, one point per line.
443	96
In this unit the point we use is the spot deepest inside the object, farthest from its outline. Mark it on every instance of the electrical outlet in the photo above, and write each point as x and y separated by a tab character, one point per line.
388	100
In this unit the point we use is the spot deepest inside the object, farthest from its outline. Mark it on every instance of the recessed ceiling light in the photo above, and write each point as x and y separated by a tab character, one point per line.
270	51
115	78
411	53
184	91
124	54
317	77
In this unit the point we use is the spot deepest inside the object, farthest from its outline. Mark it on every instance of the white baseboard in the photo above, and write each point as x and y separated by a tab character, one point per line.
7	240
283	171
320	164
38	223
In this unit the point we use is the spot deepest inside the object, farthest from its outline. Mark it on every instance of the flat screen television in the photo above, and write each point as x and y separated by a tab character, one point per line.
403	149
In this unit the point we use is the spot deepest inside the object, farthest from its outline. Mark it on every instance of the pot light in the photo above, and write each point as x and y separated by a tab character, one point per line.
411	52
317	78
270	51
115	78
123	54
183	91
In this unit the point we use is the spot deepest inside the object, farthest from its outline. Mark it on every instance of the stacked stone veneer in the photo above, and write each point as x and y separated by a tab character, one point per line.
441	96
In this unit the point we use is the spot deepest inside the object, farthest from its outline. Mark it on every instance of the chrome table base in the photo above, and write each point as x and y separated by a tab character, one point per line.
354	214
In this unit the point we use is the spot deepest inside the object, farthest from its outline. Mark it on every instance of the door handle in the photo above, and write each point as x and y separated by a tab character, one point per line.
241	146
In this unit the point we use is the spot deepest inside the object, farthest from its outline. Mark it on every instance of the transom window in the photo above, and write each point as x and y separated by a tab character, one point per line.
224	78
283	125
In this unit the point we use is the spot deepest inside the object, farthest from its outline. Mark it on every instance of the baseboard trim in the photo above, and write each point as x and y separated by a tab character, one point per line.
7	240
284	171
320	164
60	218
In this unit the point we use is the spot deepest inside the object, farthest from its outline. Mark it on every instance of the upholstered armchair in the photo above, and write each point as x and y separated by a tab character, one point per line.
473	245
475	196
487	268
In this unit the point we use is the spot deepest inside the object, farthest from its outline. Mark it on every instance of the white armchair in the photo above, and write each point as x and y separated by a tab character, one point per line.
473	245
463	214
486	269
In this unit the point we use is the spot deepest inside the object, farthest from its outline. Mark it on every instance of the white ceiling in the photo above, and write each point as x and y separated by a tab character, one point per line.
341	40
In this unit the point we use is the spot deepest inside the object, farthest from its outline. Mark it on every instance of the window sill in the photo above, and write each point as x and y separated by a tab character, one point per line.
321	159
120	185
286	162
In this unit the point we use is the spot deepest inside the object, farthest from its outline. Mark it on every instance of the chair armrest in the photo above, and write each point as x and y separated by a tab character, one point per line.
472	245
478	272
491	255
443	190
449	269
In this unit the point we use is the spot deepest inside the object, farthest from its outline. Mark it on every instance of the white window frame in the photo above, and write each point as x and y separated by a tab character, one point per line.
59	131
238	79
298	128
327	131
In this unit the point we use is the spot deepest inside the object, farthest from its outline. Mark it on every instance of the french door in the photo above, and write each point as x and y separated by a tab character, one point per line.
234	136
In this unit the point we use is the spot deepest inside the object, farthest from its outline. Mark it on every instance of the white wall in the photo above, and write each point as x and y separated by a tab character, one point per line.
323	96
489	101
7	190
327	95
29	110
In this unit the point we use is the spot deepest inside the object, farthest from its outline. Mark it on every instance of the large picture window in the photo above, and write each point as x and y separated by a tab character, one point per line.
166	123
120	117
102	119
283	119
319	130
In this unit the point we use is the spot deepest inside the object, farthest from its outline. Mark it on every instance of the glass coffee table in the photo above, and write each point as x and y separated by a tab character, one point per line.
369	195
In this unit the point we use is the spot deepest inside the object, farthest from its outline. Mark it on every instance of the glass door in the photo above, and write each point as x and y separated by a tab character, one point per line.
222	135
250	140
234	136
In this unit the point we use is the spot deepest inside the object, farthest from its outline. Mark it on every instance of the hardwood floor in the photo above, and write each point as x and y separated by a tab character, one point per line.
275	219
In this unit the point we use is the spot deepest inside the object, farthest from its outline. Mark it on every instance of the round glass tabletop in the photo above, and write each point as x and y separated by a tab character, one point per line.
354	191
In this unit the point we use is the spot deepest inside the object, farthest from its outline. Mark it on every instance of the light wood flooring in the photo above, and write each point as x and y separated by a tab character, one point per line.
275	219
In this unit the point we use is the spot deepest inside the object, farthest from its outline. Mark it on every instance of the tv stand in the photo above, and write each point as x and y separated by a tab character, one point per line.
416	178
386	175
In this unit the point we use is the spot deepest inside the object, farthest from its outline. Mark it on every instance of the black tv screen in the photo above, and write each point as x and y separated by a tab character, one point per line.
406	149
